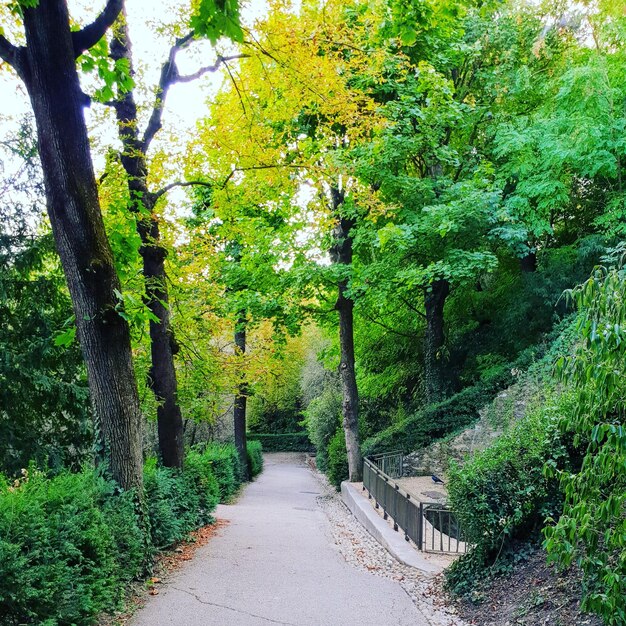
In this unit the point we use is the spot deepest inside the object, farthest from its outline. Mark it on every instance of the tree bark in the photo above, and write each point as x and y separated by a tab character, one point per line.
341	252
163	346
47	65
528	263
239	411
434	301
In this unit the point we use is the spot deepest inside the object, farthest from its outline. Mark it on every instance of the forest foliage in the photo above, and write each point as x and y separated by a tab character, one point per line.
431	176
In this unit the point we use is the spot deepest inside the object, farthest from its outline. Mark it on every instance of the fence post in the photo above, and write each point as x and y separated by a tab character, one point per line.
406	517
420	532
396	496
377	492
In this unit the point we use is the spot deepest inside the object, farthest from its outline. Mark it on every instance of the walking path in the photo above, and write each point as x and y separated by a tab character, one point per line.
276	562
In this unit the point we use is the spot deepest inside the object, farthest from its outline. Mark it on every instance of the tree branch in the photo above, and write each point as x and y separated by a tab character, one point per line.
262	167
209	68
91	34
414	309
387	328
13	55
169	77
180	183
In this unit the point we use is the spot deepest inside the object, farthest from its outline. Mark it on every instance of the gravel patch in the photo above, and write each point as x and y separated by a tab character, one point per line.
423	489
361	550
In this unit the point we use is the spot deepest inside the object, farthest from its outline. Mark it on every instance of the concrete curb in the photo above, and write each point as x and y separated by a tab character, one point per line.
376	526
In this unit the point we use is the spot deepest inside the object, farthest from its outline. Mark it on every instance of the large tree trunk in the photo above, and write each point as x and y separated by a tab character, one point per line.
341	252
72	199
239	411
163	346
434	302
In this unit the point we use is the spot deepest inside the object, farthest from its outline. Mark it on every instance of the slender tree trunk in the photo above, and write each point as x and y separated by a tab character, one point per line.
434	302
239	411
163	346
341	252
49	71
528	263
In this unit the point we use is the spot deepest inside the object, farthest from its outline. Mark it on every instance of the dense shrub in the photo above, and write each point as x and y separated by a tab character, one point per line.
322	417
173	504
284	442
254	451
133	549
591	530
58	549
68	544
443	418
225	465
199	473
337	459
501	494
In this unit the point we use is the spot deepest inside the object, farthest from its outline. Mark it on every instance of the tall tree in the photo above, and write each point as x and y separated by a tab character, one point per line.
162	377
341	253
143	203
47	66
294	132
241	398
247	241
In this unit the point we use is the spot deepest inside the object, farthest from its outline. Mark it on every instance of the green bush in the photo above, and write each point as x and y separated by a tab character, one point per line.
453	414
591	531
284	442
58	549
254	451
337	459
501	495
322	417
68	544
173	504
225	466
199	473
133	550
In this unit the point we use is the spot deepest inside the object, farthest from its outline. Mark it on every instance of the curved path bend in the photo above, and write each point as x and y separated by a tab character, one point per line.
276	563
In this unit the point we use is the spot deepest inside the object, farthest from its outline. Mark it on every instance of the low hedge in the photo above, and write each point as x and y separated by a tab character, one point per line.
179	502
283	442
225	466
255	458
69	544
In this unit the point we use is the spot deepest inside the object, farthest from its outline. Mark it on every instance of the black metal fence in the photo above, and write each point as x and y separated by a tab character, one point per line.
433	527
389	463
441	530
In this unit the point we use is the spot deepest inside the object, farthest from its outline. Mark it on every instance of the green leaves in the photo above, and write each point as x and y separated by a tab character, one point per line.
115	75
216	18
66	337
132	308
592	528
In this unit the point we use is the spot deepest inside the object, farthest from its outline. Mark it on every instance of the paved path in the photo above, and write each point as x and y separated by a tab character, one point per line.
276	563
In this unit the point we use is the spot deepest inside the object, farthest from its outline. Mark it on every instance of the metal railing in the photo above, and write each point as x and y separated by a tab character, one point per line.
441	531
389	463
433	527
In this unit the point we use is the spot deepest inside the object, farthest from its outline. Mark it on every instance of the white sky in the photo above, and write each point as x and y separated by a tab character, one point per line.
186	102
